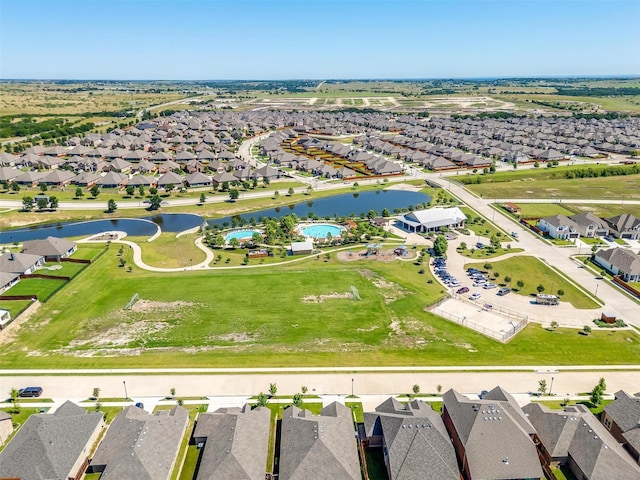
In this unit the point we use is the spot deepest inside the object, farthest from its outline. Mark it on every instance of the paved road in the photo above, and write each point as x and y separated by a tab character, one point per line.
565	383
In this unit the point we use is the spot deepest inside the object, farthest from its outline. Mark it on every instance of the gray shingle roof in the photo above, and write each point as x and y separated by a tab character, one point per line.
495	444
236	443
140	445
417	441
626	261
18	262
319	447
49	445
48	247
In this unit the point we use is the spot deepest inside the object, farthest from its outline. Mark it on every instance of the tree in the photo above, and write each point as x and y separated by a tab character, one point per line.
169	187
554	325
488	266
234	194
263	399
602	384
276	194
130	190
141	190
386	212
463	245
234	243
95	191
586	329
43	187
173	392
560	292
542	387
122	262
15	187
440	245
290	191
416	389
153	191
596	395
297	400
439	389
79	192
154	202
112	206
53	203
42	203
96	394
256	238
203	198
27	204
273	388
266	181
14	393
520	284
540	288
507	279
304	390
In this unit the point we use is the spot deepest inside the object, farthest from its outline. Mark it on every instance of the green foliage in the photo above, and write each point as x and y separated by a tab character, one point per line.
297	400
440	246
542	386
95	191
27	203
273	389
112	206
263	399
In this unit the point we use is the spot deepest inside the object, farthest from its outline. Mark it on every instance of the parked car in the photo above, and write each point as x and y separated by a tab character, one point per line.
140	405
503	291
489	285
454	283
462	290
480	283
30	392
479	245
474	296
514	234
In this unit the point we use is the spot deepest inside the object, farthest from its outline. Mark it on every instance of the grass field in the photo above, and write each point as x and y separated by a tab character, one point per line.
169	251
268	316
541	210
622	187
533	272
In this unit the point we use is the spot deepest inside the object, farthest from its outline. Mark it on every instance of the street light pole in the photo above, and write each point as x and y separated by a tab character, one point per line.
352	388
551	386
126	396
596	294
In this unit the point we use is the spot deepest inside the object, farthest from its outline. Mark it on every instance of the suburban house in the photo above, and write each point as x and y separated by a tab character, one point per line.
236	443
20	263
589	225
413	439
573	437
51	248
321	447
560	227
6	426
8	280
624	226
141	445
620	261
432	219
492	437
52	446
622	418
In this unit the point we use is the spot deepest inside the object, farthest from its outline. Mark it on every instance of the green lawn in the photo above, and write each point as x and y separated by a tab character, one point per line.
541	210
245	317
18	418
533	272
620	187
43	288
480	225
483	253
168	251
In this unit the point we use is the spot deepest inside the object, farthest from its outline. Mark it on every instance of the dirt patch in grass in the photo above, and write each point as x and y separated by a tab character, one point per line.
322	298
146	306
352	256
390	291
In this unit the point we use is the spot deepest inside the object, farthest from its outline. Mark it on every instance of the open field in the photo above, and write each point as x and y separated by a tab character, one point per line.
545	209
271	316
169	251
533	273
622	187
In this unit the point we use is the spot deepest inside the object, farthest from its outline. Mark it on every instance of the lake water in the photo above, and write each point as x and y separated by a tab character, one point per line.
144	227
340	205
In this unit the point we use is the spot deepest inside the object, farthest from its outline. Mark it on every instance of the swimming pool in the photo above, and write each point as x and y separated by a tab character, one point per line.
321	230
241	235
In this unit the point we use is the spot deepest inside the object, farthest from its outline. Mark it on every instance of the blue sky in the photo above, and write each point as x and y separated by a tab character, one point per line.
316	39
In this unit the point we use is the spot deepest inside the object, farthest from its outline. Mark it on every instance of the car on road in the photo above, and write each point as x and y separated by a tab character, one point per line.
462	290
474	296
514	234
480	245
503	291
30	392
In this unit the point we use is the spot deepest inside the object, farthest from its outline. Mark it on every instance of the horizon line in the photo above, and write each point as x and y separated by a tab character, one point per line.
328	79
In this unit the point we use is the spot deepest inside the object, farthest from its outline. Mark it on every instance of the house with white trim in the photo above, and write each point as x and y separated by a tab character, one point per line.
432	219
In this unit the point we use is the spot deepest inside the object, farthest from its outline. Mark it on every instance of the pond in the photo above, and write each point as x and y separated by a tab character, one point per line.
340	205
143	227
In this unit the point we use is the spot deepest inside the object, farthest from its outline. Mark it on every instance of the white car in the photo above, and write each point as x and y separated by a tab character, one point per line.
487	286
474	296
479	283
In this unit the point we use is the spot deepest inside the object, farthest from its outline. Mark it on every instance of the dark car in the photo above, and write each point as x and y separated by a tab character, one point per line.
30	392
140	405
503	291
462	290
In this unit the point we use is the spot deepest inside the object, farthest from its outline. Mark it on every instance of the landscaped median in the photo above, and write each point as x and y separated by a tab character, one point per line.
527	274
